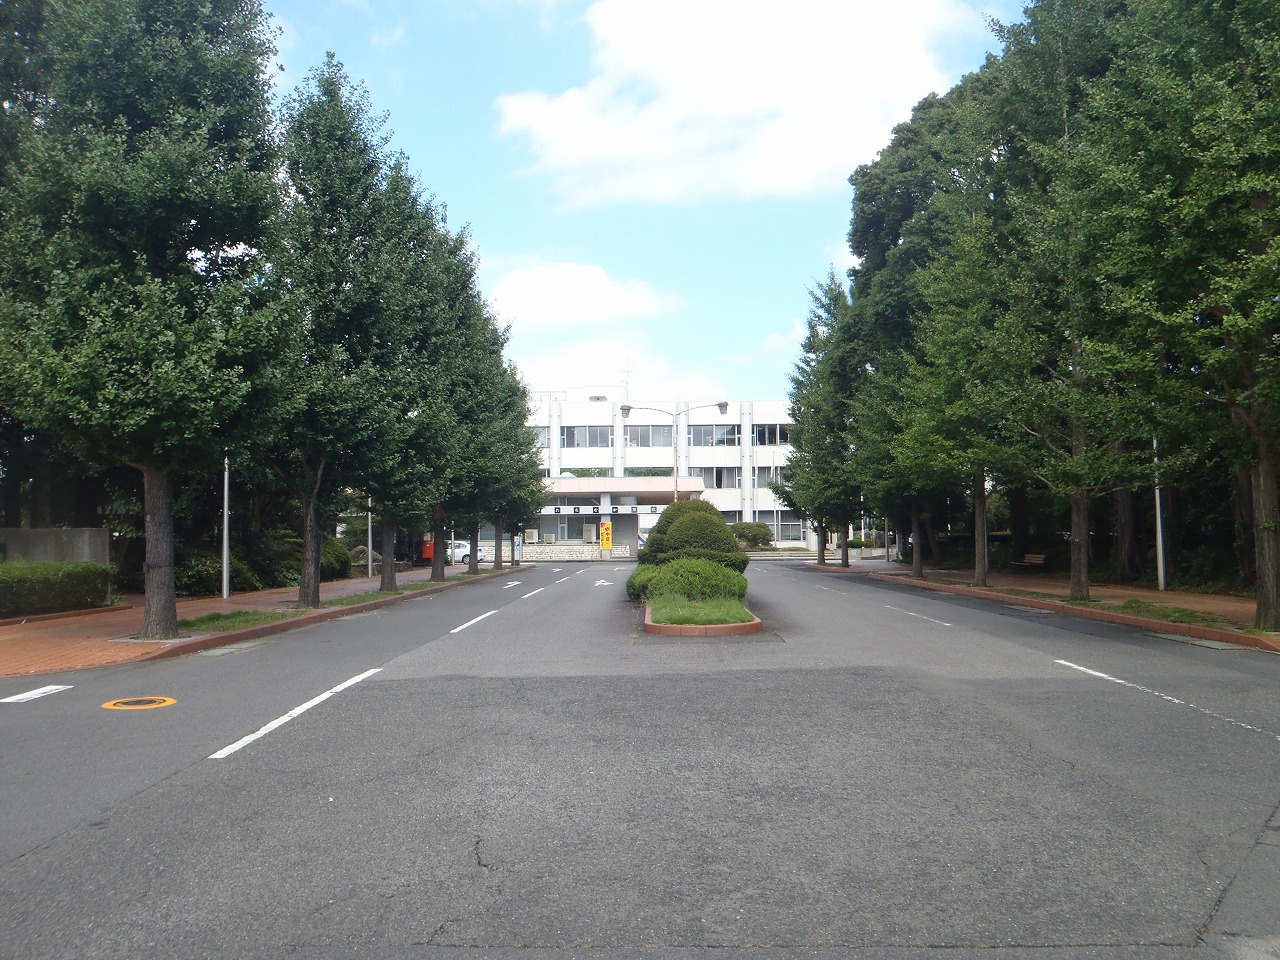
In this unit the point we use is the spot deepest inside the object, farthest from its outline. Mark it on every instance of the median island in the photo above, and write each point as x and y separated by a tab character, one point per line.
690	575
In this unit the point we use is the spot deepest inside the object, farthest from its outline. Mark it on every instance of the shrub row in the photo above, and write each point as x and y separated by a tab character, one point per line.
28	588
692	578
752	534
200	574
692	529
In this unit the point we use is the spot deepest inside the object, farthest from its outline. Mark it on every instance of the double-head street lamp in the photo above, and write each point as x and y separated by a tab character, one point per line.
626	408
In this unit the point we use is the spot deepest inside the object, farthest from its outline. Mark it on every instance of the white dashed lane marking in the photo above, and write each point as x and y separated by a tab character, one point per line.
34	694
1169	699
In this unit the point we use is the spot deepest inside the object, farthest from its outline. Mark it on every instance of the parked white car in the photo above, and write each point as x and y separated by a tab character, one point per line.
460	552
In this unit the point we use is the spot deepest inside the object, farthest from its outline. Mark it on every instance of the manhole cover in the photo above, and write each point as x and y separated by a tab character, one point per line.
138	703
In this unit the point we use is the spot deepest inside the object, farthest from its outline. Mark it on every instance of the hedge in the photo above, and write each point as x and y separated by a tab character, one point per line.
28	588
697	580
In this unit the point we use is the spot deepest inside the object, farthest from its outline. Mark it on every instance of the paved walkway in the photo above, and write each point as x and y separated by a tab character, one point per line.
100	638
40	645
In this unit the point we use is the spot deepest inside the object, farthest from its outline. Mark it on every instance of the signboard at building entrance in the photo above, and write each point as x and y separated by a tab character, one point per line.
606	535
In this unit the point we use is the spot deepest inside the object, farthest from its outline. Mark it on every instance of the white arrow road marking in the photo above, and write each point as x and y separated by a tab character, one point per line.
532	592
920	615
556	569
471	622
295	712
603	583
34	694
513	583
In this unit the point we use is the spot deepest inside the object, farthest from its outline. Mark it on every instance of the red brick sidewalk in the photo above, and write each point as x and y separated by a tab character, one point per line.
103	637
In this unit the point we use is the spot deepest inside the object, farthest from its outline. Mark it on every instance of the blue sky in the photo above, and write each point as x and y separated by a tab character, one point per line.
652	186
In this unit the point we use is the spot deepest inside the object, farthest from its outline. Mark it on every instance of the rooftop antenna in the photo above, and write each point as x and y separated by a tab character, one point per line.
626	381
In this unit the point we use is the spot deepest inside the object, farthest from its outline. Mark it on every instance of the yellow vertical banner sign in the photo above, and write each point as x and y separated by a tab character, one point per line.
606	535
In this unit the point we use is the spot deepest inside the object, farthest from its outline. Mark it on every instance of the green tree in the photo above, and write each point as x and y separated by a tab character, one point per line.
131	318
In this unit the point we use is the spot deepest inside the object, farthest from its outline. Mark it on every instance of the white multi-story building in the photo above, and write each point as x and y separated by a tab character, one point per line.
610	460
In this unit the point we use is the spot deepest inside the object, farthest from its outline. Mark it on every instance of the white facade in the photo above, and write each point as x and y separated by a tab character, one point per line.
725	458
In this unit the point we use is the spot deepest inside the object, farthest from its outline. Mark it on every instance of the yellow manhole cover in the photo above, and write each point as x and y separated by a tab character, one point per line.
139	703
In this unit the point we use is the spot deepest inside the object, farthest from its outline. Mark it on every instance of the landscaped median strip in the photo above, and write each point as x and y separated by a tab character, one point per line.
699	630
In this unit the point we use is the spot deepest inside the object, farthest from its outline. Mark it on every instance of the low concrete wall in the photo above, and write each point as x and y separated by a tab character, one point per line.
570	552
90	544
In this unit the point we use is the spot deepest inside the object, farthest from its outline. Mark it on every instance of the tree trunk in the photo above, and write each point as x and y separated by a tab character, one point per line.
822	543
388	583
981	559
160	608
1266	533
1246	546
844	544
497	543
1079	500
440	548
1128	552
309	576
917	551
473	564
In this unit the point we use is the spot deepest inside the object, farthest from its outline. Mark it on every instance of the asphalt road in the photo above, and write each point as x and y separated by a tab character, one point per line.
515	770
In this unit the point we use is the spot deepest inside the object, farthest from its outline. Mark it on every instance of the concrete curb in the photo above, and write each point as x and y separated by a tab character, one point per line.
61	615
700	630
1195	631
209	641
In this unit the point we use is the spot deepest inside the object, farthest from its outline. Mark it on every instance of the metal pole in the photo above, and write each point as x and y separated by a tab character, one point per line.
226	525
369	545
675	457
1160	578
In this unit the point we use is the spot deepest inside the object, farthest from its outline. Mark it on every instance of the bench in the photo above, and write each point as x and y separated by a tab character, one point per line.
1030	560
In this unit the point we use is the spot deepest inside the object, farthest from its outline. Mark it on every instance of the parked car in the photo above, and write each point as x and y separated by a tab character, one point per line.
460	552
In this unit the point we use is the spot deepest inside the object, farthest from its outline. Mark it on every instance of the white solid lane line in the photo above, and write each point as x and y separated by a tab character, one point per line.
532	592
34	694
295	712
471	622
1166	697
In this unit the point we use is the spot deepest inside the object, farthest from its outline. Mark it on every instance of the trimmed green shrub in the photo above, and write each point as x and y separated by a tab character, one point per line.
688	531
335	561
700	531
736	561
697	579
28	588
638	582
752	534
200	575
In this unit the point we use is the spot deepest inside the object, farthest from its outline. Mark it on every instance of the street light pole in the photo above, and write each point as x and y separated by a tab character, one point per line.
722	406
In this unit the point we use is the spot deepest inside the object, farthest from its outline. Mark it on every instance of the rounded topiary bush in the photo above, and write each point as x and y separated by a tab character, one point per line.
737	560
753	534
700	531
683	508
335	561
638	582
697	579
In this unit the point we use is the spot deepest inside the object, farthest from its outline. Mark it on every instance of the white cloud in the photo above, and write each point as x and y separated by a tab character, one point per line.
384	39
613	366
740	98
559	295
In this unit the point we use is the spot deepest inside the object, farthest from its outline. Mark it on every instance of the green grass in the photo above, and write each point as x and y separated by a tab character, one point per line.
1158	611
361	598
679	610
239	620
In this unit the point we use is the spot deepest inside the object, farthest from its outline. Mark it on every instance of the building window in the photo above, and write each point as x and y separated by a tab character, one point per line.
768	475
710	435
645	435
586	437
719	478
542	437
772	434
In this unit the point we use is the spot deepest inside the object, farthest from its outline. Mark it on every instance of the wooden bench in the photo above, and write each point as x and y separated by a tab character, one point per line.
1030	560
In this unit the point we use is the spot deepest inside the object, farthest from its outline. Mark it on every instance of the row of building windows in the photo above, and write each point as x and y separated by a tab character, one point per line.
645	435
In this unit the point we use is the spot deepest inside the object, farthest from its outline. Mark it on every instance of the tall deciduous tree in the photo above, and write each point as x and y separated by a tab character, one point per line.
134	202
